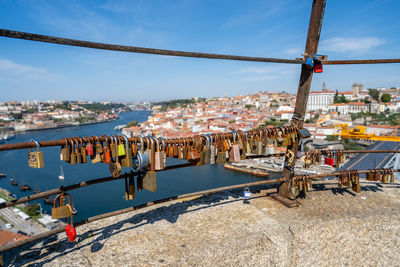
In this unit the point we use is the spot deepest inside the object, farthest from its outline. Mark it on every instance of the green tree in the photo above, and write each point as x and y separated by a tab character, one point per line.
386	98
336	97
342	99
132	123
331	138
374	93
32	209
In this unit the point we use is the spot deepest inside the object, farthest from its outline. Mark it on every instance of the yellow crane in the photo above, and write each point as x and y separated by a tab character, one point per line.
359	132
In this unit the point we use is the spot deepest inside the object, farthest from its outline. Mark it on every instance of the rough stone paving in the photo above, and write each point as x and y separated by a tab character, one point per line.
331	227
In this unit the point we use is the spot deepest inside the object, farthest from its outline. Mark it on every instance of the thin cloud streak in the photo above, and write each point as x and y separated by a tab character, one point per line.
10	69
350	44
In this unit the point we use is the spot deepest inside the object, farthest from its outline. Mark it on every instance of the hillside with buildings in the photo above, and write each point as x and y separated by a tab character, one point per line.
326	108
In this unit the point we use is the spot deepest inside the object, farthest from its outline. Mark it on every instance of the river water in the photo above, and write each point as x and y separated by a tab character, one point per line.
109	196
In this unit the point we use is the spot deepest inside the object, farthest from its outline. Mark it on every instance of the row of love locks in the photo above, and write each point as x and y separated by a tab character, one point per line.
331	157
139	152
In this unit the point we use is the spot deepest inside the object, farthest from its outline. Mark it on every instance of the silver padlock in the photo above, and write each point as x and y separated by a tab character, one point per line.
142	160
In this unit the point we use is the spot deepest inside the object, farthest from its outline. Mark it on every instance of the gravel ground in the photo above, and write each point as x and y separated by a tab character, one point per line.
331	227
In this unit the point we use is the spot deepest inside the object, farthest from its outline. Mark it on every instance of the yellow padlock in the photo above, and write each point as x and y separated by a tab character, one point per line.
120	148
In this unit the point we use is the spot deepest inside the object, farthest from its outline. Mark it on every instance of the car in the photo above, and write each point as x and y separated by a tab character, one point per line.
9	225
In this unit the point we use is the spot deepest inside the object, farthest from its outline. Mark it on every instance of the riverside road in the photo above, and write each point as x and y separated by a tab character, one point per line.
371	160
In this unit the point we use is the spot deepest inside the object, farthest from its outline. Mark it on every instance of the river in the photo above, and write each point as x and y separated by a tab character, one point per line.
109	196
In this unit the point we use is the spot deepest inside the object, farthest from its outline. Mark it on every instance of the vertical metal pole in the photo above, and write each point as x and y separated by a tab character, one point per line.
314	30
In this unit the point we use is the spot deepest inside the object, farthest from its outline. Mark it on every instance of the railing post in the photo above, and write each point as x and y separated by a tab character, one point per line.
314	30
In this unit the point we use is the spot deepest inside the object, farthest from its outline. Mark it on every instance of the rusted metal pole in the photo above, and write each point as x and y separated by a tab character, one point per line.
324	175
360	151
122	211
314	30
165	52
361	61
136	49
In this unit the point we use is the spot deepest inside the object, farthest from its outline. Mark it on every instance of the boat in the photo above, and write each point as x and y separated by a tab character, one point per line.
58	130
2	174
24	187
13	182
74	211
61	176
36	191
49	200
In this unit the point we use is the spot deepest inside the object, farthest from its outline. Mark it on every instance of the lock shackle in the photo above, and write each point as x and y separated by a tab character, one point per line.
209	139
234	135
247	138
150	141
163	143
157	143
80	140
76	143
141	142
126	141
37	144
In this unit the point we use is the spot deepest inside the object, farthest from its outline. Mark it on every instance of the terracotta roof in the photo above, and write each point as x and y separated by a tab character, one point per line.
7	236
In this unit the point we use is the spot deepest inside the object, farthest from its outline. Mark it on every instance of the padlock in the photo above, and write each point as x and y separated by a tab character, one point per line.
212	150
82	150
158	155
63	210
127	160
247	193
130	186
120	148
142	160
317	63
65	151
150	181
318	66
35	158
310	63
70	229
89	147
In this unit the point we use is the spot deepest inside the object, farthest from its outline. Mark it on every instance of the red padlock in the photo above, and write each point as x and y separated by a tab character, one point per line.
318	67
70	230
89	148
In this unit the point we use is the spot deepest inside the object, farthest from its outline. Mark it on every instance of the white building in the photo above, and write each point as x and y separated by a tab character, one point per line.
320	100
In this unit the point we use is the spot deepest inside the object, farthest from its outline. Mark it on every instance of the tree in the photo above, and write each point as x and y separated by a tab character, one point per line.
343	99
386	98
32	209
374	93
132	123
336	97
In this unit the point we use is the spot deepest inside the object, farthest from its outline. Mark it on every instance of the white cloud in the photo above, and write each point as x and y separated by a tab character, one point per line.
259	74
256	70
350	44
294	51
259	78
10	69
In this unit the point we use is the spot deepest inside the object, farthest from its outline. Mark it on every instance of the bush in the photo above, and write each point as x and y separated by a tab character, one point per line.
32	209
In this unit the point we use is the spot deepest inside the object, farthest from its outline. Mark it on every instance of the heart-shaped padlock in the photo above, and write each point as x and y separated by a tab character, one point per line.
71	232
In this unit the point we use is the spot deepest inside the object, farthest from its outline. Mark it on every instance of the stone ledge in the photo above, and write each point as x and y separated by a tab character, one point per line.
331	227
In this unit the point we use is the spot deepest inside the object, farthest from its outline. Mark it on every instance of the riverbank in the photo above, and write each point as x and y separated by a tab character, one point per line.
332	227
69	125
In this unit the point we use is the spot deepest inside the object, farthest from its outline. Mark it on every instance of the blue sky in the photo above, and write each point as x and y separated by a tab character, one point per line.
29	70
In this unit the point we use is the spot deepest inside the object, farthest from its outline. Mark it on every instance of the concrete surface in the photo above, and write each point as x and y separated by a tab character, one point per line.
332	227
